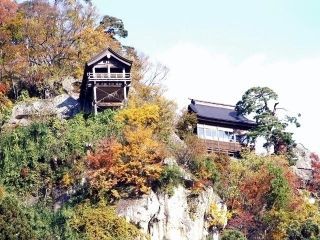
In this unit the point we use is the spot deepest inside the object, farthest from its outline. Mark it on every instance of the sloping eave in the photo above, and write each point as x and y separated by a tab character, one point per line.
101	55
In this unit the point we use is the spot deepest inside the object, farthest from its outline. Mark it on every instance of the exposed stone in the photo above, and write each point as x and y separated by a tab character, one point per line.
68	85
174	139
180	216
63	106
66	105
170	161
303	166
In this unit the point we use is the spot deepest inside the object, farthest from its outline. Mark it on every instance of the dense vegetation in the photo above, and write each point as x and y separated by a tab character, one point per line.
59	179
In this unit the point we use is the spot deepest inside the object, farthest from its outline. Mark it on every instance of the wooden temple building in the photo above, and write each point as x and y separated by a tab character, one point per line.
106	82
220	127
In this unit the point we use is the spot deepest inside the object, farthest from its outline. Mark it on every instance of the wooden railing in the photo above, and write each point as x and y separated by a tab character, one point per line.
109	76
219	146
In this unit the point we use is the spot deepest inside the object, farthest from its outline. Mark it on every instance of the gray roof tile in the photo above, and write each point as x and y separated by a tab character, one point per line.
219	113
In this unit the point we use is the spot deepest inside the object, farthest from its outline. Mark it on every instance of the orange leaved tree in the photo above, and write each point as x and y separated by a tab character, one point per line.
130	165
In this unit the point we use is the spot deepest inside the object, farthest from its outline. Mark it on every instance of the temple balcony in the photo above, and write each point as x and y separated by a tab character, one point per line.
222	147
109	76
229	148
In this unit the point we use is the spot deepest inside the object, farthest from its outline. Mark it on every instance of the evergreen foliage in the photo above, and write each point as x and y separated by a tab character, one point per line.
36	158
186	124
232	235
170	178
261	102
14	220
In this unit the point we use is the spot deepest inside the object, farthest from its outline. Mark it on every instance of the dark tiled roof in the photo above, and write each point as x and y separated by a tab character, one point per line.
104	53
220	114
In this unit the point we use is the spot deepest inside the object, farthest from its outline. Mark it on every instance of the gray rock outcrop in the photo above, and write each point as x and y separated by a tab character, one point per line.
181	216
63	106
303	166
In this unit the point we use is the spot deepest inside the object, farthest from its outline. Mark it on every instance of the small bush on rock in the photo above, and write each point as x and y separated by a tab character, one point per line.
232	235
170	178
101	222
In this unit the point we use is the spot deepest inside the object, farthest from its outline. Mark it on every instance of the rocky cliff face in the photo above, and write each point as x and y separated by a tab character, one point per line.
63	106
303	166
181	216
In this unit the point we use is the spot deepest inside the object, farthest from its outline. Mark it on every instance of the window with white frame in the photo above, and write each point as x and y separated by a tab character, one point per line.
200	131
216	133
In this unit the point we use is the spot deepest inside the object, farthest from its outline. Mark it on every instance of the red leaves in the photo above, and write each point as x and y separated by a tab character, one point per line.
314	157
315	181
254	189
294	182
104	157
3	88
242	221
253	186
7	10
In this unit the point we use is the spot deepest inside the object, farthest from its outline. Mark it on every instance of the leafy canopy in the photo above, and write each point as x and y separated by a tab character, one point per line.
43	41
35	159
261	103
133	162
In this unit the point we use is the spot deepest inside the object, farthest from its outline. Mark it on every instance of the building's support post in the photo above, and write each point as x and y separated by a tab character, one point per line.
124	73
95	107
108	69
94	72
125	92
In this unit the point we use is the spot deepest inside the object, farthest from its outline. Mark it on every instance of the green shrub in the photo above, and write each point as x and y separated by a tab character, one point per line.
307	230
170	178
14	220
186	124
35	159
232	235
18	221
279	194
205	168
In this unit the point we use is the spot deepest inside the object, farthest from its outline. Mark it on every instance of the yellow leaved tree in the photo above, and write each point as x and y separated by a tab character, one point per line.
136	157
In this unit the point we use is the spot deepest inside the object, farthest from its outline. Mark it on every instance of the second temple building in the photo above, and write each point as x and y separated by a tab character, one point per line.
220	127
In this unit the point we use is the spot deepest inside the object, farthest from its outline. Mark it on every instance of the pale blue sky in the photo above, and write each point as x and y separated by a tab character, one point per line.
280	28
241	44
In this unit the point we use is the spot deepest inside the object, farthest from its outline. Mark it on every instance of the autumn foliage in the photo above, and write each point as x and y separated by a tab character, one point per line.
134	161
88	162
3	88
104	157
255	188
41	42
7	10
101	222
314	184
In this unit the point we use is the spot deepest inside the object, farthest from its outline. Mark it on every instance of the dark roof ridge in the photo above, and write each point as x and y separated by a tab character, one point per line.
119	56
208	103
220	113
102	54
